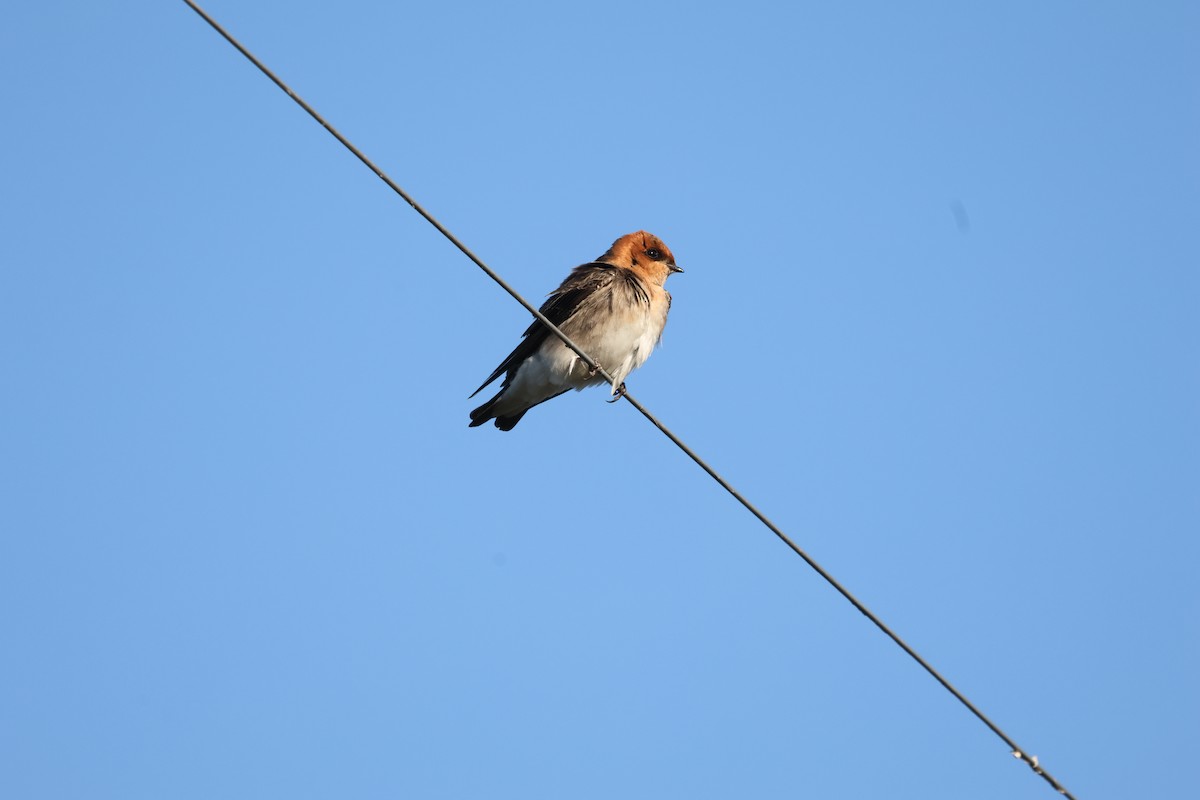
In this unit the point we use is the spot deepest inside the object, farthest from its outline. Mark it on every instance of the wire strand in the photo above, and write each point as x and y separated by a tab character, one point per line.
1031	761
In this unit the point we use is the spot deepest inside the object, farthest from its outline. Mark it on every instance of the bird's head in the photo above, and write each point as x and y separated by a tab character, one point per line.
643	253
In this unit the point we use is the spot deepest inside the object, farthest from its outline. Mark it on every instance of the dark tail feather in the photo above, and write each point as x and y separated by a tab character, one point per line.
508	423
484	413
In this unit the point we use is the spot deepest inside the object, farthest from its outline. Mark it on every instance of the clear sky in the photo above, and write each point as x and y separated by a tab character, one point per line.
939	320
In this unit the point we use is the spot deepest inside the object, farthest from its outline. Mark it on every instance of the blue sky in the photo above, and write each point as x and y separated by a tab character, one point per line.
939	321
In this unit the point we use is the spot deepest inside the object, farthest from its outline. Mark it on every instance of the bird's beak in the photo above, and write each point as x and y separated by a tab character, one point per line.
672	268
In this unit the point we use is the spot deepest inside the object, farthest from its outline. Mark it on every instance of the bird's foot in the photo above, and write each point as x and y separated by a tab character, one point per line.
618	393
594	371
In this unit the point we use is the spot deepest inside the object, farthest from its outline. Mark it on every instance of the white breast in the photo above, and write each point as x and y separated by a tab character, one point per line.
621	342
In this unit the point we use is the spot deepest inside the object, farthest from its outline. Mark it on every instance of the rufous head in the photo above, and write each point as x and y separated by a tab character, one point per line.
643	253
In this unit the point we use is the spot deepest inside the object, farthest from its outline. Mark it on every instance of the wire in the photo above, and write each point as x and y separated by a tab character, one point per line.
1016	751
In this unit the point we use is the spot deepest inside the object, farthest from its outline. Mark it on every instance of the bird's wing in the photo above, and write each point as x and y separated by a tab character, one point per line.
581	285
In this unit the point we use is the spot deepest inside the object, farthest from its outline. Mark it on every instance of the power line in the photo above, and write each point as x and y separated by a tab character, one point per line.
1017	752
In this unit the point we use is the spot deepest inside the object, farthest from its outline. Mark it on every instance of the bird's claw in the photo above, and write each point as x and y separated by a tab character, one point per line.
618	393
594	371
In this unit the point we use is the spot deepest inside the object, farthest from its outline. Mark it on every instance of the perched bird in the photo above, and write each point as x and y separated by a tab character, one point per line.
614	308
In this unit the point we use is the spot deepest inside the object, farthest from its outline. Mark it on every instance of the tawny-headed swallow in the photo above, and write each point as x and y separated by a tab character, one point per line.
614	308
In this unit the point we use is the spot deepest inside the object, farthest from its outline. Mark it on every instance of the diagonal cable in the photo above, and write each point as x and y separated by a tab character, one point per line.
1030	760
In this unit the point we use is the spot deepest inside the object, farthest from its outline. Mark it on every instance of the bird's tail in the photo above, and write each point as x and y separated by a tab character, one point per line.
484	413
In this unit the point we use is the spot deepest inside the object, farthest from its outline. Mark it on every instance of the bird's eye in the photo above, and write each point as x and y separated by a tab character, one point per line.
654	253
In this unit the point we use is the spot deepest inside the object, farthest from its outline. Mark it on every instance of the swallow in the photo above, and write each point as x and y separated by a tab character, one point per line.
614	308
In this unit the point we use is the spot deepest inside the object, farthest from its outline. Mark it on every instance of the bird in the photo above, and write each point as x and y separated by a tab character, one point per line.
614	308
